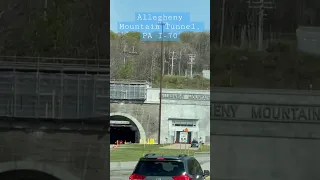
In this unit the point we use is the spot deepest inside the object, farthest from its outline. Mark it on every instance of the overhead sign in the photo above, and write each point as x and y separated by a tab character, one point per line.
183	96
161	26
119	122
183	137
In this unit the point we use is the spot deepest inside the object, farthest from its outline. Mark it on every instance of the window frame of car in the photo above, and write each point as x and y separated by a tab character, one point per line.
194	167
191	166
199	170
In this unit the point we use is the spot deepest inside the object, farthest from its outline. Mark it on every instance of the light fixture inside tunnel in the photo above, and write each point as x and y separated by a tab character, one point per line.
133	128
119	122
25	174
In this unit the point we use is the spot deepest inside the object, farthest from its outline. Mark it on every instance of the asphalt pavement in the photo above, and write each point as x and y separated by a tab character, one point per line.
120	174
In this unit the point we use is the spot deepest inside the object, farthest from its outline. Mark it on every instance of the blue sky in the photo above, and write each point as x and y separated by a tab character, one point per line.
124	10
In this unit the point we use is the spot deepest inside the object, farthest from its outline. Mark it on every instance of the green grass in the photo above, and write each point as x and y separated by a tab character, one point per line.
136	151
181	82
281	66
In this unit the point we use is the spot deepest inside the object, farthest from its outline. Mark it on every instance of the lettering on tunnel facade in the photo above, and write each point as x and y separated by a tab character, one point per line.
265	112
181	96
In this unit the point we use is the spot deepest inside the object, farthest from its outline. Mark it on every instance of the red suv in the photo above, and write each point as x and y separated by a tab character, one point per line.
181	167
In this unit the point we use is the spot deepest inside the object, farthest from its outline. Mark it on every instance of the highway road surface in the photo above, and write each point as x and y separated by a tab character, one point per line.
120	175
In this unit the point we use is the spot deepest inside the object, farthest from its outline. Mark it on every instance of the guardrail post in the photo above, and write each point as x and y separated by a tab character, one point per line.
46	110
53	102
37	93
14	104
94	94
78	96
61	93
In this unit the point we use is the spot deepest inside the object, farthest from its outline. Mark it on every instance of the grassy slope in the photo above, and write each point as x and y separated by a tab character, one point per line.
135	151
181	82
281	67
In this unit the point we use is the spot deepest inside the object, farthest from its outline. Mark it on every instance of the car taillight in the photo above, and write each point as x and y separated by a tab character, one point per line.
136	177
182	177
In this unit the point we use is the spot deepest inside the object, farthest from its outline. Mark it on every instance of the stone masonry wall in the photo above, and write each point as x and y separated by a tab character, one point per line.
146	114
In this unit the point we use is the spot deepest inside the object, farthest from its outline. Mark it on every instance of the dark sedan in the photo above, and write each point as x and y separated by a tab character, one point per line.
195	144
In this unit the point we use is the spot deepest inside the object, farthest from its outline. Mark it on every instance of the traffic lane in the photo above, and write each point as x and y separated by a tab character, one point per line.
206	166
120	175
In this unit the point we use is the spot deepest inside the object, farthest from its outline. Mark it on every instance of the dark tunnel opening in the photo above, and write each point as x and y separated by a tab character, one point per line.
26	175
124	130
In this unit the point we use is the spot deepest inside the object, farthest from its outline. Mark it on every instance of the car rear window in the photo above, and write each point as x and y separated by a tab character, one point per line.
160	168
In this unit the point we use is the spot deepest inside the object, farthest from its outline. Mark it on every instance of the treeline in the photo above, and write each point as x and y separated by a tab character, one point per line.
54	28
235	60
279	67
280	22
139	60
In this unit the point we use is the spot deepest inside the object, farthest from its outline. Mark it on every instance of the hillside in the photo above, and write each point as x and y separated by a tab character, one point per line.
69	28
279	67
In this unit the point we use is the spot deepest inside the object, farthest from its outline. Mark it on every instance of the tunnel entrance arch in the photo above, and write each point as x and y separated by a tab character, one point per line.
24	174
33	170
135	126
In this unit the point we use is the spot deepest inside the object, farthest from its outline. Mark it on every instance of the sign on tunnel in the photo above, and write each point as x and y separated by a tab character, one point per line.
120	122
184	96
266	112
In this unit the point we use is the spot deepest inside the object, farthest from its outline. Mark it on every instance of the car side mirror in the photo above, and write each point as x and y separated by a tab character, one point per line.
206	173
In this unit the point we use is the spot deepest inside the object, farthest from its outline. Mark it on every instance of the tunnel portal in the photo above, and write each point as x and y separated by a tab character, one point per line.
26	175
123	129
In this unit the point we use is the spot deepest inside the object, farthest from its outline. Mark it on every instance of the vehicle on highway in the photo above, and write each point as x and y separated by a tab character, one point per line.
195	143
159	167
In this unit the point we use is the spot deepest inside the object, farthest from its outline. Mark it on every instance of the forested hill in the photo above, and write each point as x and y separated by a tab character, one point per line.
139	60
281	21
235	60
63	28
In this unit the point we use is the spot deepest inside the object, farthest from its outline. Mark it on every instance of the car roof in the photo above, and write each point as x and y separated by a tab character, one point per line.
149	157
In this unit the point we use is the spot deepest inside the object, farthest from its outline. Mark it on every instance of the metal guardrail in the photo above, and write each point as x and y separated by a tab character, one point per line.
46	63
54	60
122	89
44	95
128	92
126	81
